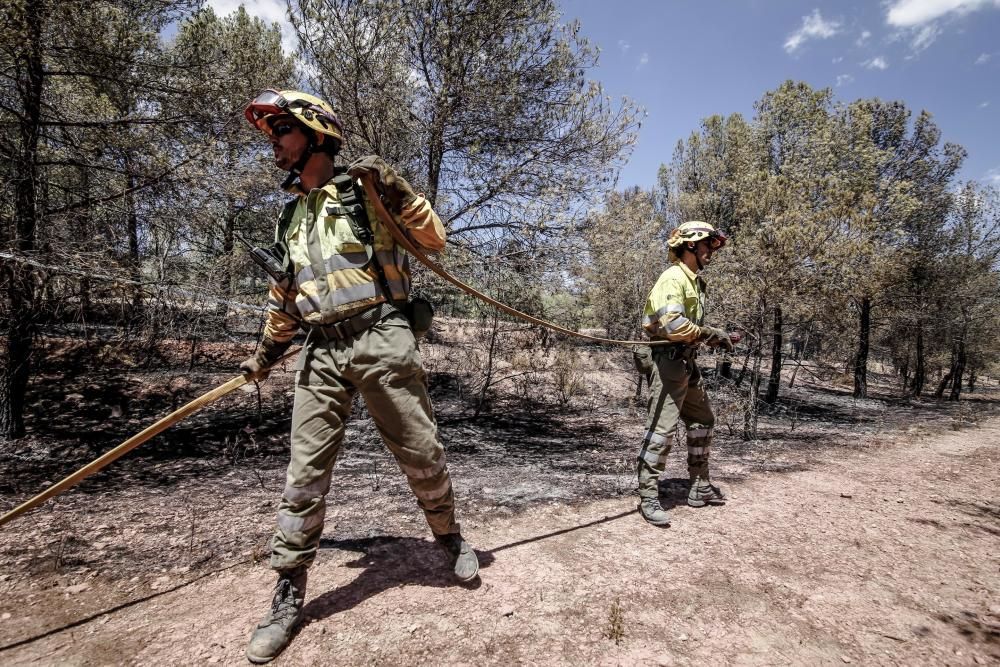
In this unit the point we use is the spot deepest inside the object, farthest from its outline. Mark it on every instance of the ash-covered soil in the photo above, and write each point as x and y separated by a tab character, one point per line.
860	530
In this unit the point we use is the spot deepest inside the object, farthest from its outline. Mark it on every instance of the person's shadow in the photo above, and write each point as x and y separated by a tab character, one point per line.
387	562
673	492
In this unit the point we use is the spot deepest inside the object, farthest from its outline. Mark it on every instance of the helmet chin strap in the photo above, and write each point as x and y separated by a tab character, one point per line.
697	260
300	164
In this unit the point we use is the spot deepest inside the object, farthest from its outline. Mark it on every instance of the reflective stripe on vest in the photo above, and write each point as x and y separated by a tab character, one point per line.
341	299
350	260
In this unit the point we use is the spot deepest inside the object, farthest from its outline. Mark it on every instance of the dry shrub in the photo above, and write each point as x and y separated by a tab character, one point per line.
568	375
615	630
730	408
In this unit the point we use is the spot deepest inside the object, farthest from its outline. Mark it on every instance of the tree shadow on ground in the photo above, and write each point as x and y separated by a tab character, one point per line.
387	562
969	526
529	435
974	628
838	404
105	612
985	509
982	511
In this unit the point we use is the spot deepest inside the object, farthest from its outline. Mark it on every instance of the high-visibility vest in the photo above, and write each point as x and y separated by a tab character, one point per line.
675	308
335	271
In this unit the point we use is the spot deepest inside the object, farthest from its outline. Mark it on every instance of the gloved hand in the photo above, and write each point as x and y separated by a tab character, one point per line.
258	367
397	191
715	337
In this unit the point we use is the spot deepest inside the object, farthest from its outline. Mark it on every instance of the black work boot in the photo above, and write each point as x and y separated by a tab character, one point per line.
275	630
463	559
703	492
653	512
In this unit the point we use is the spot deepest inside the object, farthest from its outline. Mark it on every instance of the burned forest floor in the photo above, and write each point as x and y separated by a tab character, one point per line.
859	530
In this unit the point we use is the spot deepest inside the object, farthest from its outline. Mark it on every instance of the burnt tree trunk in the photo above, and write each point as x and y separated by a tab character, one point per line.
774	380
132	227
904	371
799	358
743	369
943	384
82	234
227	282
435	155
20	330
958	367
750	408
861	360
946	377
957	371
919	370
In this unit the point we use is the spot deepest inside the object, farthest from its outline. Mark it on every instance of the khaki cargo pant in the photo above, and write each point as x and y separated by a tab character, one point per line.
675	392
384	365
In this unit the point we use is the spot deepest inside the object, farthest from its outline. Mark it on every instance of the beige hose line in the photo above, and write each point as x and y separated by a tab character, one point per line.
132	443
403	240
223	389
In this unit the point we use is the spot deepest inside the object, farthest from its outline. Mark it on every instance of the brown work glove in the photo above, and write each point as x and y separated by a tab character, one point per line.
715	337
258	367
397	192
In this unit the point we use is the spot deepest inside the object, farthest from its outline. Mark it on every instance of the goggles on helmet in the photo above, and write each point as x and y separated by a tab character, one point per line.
268	103
715	239
696	231
311	112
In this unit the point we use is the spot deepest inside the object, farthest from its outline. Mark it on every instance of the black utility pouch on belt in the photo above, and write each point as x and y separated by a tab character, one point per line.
420	313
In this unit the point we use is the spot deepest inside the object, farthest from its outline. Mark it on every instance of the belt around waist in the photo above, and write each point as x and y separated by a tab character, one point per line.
679	351
354	325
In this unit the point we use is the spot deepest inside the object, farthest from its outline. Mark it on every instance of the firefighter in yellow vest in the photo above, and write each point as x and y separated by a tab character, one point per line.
675	312
346	283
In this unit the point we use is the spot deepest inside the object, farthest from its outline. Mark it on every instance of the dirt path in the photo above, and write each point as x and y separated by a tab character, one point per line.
883	555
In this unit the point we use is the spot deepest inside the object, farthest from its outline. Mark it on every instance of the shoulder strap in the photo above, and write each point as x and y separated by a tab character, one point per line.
285	219
353	205
280	248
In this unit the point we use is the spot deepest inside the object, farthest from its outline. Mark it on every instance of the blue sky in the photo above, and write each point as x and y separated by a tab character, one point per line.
683	60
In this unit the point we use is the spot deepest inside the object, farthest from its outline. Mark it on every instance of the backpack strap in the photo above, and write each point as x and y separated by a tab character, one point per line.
353	207
285	220
279	251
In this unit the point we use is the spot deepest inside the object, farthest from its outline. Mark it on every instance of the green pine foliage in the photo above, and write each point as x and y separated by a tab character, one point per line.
128	171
